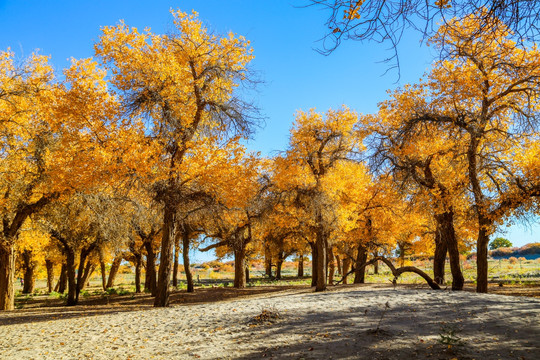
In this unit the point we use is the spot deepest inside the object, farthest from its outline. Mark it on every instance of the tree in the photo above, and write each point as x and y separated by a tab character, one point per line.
387	21
499	242
184	85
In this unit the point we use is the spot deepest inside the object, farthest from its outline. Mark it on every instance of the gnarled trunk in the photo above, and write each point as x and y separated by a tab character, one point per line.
239	268
360	269
267	260
138	268
314	256
29	267
72	283
166	258
439	257
150	276
7	277
115	266
49	266
103	269
321	257
300	266
482	261
175	265
331	266
279	265
62	280
446	222
346	266
187	265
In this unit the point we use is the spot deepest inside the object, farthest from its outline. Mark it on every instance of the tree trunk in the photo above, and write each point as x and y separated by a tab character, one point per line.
103	274
332	266
482	259
446	221
138	267
72	284
321	258
62	280
301	266
360	269
29	267
401	253
80	273
338	262
175	265
88	271
7	277
247	271
439	257
115	266
314	261
150	276
279	265
267	261
239	268
187	265
345	269
49	265
376	265
166	258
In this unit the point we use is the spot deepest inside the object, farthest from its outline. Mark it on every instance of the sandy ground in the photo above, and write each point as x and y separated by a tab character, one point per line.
338	324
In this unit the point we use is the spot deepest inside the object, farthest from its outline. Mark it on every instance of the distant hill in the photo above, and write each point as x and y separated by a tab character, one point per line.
528	251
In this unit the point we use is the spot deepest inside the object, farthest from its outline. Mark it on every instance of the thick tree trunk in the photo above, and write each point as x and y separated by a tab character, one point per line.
49	266
166	258
376	265
29	267
314	260
279	265
360	269
439	257
7	277
72	283
345	269
239	268
80	273
138	268
338	262
115	266
482	260
301	266
187	265
150	276
175	265
62	280
446	221
401	254
321	258
331	266
247	272
268	261
103	274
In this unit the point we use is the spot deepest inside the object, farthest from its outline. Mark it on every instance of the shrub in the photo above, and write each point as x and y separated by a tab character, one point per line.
513	260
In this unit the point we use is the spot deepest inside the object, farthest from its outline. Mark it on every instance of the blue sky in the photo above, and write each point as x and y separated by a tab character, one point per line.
283	34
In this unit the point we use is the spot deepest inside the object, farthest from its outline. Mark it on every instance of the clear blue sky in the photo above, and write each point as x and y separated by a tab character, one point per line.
283	36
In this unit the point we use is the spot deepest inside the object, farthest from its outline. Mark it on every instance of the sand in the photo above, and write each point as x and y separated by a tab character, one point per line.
351	322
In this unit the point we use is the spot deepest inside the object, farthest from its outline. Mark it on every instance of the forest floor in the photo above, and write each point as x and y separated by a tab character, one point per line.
372	321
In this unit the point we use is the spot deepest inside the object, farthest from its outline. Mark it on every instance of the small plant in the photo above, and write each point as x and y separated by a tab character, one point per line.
513	260
448	335
269	315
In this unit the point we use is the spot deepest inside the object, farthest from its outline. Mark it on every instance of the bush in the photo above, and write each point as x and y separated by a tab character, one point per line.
513	260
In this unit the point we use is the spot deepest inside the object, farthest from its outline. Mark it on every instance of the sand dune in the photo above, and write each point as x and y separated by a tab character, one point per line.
339	324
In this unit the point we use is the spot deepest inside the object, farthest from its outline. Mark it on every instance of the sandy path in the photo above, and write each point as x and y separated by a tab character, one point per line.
336	324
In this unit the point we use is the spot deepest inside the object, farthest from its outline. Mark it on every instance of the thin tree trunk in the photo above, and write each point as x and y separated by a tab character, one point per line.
376	265
267	260
332	265
166	258
49	265
360	269
7	277
247	271
439	257
29	267
345	269
301	266
338	262
401	253
239	268
88	271
150	276
115	266
314	262
103	274
138	267
321	257
175	265
187	265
